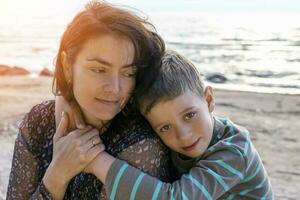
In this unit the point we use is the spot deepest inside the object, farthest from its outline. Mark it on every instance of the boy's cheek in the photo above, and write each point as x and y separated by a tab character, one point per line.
168	141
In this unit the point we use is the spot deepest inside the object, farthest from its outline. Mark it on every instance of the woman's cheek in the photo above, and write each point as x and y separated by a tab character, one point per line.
128	86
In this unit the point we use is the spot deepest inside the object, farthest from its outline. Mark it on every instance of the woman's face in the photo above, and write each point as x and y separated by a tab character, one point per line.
104	76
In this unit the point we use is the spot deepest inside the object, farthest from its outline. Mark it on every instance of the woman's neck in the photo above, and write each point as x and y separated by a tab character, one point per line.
101	125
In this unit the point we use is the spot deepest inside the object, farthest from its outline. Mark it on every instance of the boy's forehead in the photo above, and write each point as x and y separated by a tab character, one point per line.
176	105
161	100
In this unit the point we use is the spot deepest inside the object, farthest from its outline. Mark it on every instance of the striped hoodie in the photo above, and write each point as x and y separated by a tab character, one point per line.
229	169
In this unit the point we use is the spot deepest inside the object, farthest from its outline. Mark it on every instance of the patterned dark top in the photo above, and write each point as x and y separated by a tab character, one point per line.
33	153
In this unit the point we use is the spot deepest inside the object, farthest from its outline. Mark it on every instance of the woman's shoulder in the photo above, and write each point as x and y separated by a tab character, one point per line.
134	125
38	125
124	133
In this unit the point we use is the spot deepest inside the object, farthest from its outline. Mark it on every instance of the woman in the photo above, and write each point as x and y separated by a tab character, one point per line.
103	54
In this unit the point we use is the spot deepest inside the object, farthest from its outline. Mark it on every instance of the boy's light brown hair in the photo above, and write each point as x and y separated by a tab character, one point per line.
176	75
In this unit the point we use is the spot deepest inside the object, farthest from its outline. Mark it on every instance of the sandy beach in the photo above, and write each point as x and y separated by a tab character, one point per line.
272	120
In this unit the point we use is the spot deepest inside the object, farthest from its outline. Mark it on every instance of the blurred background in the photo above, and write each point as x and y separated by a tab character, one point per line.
248	50
254	44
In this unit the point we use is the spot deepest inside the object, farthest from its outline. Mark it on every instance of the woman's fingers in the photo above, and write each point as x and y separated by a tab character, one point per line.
77	115
81	134
77	148
81	138
90	134
61	105
91	143
62	127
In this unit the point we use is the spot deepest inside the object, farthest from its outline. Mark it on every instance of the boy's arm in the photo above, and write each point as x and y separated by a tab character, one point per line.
208	179
101	165
148	155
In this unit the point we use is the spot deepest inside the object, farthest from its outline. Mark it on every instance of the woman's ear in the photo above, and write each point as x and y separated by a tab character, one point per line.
66	67
210	99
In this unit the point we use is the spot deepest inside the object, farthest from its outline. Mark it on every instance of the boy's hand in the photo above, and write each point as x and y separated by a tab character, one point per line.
100	165
76	119
90	168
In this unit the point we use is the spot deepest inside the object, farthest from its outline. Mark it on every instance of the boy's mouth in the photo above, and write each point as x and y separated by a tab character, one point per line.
192	146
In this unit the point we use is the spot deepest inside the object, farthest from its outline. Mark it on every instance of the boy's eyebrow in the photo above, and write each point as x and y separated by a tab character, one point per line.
185	110
102	61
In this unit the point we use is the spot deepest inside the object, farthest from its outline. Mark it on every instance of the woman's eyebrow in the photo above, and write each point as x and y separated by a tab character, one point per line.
100	60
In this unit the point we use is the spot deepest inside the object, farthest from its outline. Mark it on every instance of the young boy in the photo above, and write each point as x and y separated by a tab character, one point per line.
215	157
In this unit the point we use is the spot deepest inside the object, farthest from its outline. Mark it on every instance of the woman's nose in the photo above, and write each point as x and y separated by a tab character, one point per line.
112	84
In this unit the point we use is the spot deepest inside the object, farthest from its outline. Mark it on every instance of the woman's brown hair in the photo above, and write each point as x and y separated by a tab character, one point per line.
100	17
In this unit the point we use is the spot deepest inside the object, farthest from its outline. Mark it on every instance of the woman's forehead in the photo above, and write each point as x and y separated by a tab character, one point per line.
109	48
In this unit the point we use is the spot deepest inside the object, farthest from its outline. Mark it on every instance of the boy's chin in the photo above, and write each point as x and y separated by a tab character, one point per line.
191	154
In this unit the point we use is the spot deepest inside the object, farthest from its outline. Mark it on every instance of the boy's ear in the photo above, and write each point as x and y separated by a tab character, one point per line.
210	99
66	67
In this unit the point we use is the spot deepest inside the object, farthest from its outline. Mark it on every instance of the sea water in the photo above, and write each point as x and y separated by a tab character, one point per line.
249	51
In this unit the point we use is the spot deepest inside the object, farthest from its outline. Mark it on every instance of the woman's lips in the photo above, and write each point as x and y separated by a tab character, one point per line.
191	147
108	102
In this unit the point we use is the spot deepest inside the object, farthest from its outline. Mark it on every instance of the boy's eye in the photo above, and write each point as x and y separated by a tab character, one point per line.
189	115
165	128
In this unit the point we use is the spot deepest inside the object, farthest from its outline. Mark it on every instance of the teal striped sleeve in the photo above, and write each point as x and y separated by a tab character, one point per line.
206	180
126	182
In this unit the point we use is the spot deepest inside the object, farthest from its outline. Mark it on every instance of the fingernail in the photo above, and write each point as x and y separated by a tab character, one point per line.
87	127
81	126
63	114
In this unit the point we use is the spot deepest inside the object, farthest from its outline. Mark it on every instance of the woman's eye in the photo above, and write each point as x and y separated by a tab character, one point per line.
130	73
189	115
98	70
165	128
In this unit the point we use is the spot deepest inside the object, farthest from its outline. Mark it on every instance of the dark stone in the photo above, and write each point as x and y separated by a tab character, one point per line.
6	70
216	78
46	72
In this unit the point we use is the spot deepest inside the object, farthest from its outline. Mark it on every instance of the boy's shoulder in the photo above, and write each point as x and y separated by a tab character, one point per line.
230	140
227	131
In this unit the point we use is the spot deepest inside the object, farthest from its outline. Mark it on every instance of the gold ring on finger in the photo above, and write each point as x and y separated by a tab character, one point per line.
93	143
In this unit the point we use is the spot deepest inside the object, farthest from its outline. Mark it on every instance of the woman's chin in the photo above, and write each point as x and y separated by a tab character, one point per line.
105	116
96	117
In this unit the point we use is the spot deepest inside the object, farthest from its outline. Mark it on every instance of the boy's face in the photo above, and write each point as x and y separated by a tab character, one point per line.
185	123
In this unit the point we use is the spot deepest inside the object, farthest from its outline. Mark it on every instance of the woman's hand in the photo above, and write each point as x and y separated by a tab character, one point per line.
76	119
72	152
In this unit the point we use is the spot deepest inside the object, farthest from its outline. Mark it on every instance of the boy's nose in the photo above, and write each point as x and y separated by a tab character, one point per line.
184	133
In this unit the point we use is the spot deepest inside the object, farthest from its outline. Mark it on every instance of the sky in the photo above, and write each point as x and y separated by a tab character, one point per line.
66	8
